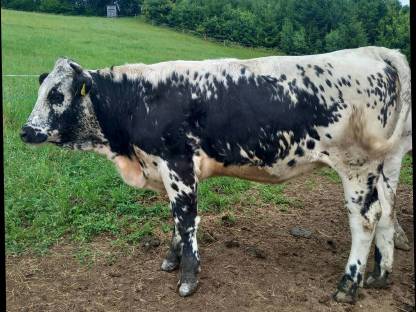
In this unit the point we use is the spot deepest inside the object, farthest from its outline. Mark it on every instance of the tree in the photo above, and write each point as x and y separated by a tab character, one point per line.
299	41
55	6
354	34
334	40
128	7
394	30
286	35
369	13
351	35
157	10
24	5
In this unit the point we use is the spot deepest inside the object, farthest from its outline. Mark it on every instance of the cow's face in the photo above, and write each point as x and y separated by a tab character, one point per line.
63	112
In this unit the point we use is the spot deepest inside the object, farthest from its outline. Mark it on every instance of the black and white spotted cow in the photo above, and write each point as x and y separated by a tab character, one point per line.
169	125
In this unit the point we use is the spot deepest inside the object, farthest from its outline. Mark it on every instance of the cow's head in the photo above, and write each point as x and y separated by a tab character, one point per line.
63	112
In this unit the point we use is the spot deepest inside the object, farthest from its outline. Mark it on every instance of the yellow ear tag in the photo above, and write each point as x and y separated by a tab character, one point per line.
83	92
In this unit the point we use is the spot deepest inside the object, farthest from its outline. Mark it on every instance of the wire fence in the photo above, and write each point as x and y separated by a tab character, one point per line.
13	75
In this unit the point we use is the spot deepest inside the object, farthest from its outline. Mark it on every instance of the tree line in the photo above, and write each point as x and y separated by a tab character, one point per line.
292	26
74	7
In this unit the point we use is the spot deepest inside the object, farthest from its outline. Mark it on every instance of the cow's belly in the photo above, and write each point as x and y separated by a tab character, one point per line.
141	171
208	167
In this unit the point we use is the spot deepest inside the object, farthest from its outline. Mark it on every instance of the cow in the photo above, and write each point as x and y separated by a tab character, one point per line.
170	125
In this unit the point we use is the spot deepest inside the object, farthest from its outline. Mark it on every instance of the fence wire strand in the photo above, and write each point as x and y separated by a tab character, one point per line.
13	75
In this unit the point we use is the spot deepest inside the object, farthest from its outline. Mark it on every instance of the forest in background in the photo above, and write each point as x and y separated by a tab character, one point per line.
291	26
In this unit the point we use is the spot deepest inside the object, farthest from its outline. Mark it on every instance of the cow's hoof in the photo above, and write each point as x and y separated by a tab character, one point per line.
377	281
188	288
169	266
400	241
344	297
347	291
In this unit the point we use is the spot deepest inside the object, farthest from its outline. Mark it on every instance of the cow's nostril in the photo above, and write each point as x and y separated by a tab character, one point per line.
24	133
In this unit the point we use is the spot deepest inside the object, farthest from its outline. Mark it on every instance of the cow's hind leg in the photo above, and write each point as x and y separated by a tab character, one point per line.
173	258
181	186
384	245
391	174
364	210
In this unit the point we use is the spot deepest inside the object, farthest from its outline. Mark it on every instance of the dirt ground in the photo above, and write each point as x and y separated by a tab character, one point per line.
254	264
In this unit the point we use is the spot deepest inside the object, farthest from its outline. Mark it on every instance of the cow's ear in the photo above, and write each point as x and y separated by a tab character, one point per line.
78	69
83	82
83	85
42	77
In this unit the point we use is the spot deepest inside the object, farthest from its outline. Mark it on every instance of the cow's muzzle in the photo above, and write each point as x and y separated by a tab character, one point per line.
31	135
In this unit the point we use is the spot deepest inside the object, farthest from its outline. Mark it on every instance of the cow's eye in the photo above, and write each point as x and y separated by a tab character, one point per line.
55	96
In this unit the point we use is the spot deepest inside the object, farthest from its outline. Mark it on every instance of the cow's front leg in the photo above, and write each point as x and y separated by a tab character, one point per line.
181	186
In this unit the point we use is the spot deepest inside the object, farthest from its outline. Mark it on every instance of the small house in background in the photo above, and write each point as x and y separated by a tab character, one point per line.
111	11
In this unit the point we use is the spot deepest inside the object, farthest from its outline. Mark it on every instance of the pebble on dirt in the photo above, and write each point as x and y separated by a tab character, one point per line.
114	274
207	237
256	252
150	242
331	243
232	244
228	220
301	232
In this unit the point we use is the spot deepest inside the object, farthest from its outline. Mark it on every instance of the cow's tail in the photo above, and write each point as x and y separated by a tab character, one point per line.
375	144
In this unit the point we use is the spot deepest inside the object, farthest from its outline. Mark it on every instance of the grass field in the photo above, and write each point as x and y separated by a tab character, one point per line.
51	193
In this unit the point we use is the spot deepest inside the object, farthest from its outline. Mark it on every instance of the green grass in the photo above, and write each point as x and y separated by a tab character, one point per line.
331	174
52	193
406	174
32	42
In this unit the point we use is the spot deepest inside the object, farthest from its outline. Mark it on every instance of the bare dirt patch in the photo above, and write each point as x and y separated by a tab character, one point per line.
252	264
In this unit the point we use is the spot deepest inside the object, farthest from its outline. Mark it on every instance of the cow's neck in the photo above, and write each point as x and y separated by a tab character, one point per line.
118	105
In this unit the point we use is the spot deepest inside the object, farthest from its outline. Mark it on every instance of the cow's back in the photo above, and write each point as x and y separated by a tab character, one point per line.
262	110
